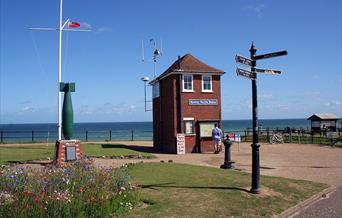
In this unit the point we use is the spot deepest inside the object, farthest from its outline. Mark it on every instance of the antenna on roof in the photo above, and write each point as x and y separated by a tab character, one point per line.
155	55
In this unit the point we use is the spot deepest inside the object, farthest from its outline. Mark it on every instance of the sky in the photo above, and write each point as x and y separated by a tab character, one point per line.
106	63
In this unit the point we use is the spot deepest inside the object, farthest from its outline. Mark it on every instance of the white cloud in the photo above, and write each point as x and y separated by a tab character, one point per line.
85	110
257	9
104	29
26	110
333	103
314	95
85	25
26	102
265	97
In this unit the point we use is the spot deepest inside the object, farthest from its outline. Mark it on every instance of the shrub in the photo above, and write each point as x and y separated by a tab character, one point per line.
74	190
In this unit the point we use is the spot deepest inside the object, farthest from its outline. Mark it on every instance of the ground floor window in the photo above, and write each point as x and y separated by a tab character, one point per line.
189	125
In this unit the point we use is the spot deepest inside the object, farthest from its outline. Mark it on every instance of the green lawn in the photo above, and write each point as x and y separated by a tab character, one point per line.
179	190
44	152
25	153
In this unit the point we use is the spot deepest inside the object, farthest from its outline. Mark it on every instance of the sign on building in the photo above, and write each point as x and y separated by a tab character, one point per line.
202	101
180	143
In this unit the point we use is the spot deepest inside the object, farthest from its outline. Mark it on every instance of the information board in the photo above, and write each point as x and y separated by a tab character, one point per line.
237	137
180	143
206	129
70	153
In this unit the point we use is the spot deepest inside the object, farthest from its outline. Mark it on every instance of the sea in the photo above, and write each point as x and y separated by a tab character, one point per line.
125	131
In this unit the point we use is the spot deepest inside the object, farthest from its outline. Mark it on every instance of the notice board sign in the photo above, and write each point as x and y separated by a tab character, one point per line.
180	143
206	129
237	137
70	153
232	136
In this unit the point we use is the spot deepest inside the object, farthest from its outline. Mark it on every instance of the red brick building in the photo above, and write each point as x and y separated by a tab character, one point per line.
186	99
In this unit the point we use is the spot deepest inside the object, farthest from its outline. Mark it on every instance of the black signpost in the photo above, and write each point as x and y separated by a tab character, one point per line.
253	75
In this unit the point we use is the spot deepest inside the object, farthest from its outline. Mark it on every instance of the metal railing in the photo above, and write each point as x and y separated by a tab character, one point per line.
298	136
87	135
294	136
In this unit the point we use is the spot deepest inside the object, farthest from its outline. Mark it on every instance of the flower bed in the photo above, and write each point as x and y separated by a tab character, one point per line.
74	190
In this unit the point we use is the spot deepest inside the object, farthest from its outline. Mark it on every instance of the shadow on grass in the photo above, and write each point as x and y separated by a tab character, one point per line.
170	185
139	148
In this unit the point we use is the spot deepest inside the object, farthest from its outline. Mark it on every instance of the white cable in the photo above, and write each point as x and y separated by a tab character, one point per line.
37	54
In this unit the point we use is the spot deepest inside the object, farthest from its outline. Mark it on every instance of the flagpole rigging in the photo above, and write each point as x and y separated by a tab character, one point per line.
60	29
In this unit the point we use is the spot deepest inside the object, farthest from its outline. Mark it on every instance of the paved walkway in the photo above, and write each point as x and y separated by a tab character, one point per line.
329	206
308	162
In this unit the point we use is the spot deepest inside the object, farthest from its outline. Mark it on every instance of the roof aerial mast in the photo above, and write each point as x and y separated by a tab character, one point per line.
155	55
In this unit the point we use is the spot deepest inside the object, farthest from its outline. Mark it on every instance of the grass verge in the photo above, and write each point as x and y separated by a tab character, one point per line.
179	190
22	153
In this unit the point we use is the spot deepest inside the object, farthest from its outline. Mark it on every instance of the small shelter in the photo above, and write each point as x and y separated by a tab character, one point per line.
186	102
320	122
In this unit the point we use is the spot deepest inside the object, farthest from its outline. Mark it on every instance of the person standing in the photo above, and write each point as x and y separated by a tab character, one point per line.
217	136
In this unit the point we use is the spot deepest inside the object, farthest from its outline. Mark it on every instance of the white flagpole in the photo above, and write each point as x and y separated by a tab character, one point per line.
60	70
60	30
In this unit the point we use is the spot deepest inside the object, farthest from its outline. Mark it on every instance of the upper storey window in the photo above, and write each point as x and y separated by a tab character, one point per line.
207	84
188	85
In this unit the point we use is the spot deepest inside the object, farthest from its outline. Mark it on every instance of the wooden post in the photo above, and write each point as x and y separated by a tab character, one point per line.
32	136
86	135
132	135
2	137
245	135
110	135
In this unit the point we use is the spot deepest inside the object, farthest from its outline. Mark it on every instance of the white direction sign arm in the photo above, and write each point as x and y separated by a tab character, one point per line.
243	60
267	71
244	73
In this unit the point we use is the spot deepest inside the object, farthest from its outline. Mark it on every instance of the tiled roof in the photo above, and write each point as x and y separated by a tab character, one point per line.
324	117
189	63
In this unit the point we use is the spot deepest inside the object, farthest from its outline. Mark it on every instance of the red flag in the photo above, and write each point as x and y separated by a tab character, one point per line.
73	24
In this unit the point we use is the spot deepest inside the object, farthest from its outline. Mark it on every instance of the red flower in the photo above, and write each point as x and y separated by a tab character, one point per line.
26	193
37	199
81	189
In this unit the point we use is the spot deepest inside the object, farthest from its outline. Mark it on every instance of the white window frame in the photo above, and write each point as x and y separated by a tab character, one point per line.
192	83
211	83
192	120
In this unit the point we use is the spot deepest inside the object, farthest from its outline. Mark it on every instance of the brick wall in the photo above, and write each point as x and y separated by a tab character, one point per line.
165	113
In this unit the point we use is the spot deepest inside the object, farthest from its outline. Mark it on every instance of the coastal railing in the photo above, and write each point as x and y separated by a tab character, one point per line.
297	136
87	135
290	136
